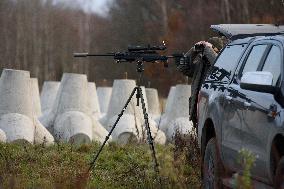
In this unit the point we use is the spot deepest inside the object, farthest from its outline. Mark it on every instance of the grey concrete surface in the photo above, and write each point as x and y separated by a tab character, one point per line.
48	95
94	102
35	97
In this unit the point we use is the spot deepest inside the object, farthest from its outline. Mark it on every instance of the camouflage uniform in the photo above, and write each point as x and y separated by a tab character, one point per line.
196	65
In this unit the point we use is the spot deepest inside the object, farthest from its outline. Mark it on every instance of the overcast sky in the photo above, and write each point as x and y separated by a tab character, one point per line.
96	6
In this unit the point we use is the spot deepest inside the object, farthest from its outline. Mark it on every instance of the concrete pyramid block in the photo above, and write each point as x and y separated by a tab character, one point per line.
153	103
127	129
72	94
181	125
17	113
179	106
70	116
121	91
42	135
158	135
48	95
74	127
130	123
18	128
99	132
16	109
35	96
163	122
130	126
104	95
2	136
15	93
170	99
178	118
94	102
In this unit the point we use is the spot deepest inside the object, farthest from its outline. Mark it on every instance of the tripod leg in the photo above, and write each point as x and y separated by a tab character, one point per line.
92	164
149	135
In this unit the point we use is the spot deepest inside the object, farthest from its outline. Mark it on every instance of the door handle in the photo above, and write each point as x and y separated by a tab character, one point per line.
247	104
229	98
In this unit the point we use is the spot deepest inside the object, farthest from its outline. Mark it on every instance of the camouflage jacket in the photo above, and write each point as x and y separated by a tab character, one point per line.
196	67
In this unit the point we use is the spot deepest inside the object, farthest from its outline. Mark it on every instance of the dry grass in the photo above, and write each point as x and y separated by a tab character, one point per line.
130	166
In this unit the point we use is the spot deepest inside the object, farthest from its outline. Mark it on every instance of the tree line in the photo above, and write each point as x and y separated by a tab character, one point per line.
41	37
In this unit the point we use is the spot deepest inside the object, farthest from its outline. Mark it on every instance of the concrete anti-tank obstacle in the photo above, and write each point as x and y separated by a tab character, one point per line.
71	111
42	135
153	103
35	96
178	118
2	136
104	95
71	117
179	106
180	125
128	125
126	129
94	102
170	99
48	95
158	135
163	121
16	106
17	114
99	132
121	91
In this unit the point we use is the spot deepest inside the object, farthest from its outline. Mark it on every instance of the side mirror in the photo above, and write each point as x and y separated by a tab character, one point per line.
259	81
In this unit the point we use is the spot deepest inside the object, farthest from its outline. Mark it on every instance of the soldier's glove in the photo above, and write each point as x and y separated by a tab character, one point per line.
201	45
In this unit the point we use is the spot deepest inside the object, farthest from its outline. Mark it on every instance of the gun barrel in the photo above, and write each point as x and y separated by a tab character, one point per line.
87	54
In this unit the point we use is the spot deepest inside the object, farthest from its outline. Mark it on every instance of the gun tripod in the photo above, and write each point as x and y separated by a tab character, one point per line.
139	96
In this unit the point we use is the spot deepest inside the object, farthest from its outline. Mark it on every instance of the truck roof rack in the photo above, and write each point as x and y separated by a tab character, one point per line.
238	31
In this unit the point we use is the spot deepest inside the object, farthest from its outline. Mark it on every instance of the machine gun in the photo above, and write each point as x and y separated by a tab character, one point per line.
138	54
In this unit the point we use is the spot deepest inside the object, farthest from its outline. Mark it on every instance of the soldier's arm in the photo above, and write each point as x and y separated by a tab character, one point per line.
210	54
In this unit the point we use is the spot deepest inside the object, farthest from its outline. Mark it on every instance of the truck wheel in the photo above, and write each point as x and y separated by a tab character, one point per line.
279	175
212	166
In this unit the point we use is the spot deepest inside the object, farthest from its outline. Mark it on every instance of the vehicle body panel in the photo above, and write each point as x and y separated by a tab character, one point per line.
242	118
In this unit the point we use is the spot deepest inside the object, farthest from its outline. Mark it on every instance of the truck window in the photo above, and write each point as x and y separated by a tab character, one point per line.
254	58
228	60
273	63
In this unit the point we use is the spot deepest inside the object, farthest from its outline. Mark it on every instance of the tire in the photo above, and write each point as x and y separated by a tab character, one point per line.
212	166
279	175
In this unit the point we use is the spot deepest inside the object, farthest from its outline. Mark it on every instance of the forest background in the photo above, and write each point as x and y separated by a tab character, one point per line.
41	36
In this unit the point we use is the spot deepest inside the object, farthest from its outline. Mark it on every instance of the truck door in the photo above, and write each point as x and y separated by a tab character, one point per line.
221	76
257	108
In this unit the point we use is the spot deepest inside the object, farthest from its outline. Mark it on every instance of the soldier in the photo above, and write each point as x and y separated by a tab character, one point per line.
195	65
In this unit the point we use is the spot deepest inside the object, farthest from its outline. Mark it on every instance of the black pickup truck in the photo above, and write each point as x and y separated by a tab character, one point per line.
241	107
